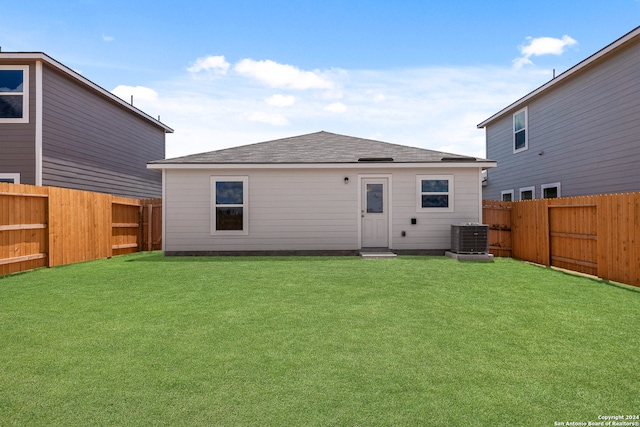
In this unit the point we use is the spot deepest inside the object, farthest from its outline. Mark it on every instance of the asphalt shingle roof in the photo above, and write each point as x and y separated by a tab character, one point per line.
318	147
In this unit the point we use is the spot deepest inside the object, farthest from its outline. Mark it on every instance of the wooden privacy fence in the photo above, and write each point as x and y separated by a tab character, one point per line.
498	216
50	226
596	235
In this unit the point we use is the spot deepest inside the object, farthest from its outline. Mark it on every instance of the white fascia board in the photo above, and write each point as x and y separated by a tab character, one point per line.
68	71
373	165
567	74
38	123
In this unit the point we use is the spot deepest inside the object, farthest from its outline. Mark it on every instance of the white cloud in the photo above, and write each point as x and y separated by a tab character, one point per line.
141	94
542	46
436	108
269	118
106	38
282	75
547	46
376	96
212	65
332	94
281	100
336	107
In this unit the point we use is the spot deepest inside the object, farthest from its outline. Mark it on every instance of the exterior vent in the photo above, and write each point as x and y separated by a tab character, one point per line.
470	238
458	159
375	159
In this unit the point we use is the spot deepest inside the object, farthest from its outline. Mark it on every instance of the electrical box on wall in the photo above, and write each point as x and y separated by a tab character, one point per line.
414	221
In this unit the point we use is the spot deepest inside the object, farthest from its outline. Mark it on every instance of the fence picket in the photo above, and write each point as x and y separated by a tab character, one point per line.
50	226
592	234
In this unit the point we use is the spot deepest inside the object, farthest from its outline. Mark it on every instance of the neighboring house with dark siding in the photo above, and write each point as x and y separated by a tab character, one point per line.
578	134
58	128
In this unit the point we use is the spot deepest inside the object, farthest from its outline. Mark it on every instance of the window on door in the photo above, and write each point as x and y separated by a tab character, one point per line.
375	198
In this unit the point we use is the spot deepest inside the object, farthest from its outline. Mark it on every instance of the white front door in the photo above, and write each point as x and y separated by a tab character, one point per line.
374	208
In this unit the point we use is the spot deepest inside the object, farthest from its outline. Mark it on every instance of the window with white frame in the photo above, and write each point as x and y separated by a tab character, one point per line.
520	134
230	205
551	191
528	193
435	193
11	178
14	94
506	196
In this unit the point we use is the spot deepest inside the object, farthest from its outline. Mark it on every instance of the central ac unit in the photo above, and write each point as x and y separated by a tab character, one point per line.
470	238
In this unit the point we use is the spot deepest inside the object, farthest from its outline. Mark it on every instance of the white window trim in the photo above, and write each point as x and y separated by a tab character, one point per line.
25	93
511	192
245	206
14	176
419	193
526	130
552	185
532	189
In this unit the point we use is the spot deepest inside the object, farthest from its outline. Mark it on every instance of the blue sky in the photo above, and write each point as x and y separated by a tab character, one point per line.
227	73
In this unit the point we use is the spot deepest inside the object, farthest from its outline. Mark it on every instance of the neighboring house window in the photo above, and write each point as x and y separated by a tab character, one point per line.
14	94
435	193
551	191
229	205
520	137
11	178
506	196
528	193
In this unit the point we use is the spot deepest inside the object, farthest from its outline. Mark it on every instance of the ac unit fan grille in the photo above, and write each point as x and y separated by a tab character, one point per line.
470	238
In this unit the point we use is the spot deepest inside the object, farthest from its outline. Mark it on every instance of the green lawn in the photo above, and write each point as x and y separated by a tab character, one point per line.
144	340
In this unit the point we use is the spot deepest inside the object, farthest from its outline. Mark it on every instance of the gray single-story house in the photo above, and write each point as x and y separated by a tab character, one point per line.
320	193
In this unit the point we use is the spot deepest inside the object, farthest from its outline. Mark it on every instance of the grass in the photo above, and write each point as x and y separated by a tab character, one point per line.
146	340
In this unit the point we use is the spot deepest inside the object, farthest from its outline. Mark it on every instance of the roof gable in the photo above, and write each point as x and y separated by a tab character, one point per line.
40	56
318	147
602	55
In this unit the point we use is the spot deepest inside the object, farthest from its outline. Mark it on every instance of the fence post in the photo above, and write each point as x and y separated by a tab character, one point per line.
150	227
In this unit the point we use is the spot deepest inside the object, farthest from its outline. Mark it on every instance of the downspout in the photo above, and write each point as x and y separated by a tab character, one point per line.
164	209
480	196
38	123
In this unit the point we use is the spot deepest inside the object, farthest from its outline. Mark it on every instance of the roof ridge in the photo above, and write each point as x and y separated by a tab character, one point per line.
318	148
85	81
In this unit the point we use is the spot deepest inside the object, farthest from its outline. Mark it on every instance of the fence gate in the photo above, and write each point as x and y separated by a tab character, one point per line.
573	237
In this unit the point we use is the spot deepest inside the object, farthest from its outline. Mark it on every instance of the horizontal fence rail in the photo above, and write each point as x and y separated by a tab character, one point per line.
595	235
498	216
50	226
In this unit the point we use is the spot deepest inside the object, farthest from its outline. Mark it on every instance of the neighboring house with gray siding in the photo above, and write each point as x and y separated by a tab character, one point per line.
578	134
60	129
317	193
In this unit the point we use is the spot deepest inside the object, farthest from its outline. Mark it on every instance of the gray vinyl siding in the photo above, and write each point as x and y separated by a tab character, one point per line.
432	230
587	129
17	140
286	211
90	143
310	209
